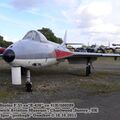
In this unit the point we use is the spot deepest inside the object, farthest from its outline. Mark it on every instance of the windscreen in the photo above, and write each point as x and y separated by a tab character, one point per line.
35	35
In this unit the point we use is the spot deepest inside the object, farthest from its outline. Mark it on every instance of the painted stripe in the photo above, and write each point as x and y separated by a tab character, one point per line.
62	54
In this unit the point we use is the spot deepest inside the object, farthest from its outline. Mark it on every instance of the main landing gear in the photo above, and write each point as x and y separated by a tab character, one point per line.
88	67
88	70
28	84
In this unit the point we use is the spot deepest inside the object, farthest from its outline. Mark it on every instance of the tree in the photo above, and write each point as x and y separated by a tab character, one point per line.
4	43
1	37
50	35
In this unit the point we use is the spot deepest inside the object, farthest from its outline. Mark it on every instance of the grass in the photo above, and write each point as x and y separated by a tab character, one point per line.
108	60
99	88
7	90
56	78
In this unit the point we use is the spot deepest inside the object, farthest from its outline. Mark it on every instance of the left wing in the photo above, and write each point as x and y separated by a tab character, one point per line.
86	58
66	54
86	54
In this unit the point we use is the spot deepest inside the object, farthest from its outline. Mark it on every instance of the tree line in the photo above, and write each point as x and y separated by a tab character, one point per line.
48	33
4	43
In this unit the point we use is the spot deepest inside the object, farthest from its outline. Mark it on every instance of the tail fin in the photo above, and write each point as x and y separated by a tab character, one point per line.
65	39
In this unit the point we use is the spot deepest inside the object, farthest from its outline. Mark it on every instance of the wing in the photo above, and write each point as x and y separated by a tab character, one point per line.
85	57
65	53
86	54
81	57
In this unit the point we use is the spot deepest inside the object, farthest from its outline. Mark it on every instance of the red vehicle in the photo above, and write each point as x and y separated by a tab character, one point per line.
1	50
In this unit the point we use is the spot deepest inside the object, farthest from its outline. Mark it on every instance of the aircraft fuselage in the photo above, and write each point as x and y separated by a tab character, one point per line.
32	53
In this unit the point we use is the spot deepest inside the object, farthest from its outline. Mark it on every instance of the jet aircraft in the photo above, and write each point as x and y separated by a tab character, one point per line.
35	51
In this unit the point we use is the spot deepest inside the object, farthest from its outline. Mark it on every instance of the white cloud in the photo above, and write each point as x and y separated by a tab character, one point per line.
95	19
99	8
105	28
87	14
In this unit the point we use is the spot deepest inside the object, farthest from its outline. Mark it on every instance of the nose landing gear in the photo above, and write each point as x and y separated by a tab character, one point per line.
28	84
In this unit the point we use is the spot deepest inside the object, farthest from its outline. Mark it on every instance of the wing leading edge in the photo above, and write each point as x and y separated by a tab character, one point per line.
86	58
85	54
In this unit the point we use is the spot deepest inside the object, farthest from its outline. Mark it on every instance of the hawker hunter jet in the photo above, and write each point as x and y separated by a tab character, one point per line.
35	51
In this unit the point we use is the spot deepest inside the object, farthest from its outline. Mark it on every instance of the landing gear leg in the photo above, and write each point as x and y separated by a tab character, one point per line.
28	84
88	70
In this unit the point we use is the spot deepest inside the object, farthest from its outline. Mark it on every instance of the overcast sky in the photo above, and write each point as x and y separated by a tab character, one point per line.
93	21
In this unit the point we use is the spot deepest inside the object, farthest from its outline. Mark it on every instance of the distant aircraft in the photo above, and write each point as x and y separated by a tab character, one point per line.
35	51
113	47
2	50
96	48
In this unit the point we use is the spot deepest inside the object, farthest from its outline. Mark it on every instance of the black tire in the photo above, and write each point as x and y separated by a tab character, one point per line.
23	71
87	71
28	87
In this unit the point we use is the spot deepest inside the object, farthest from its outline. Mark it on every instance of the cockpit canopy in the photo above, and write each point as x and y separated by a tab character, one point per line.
35	35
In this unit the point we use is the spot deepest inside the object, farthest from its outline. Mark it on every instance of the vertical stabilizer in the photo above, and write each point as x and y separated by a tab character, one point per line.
65	39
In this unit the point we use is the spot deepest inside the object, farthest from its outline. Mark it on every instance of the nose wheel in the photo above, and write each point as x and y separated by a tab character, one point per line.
28	84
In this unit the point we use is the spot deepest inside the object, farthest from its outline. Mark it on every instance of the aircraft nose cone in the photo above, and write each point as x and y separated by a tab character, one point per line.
9	55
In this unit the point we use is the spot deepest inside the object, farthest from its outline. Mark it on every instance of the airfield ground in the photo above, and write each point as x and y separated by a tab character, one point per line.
68	83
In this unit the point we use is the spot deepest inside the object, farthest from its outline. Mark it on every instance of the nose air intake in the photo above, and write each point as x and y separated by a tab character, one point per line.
9	55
